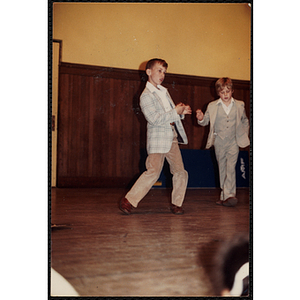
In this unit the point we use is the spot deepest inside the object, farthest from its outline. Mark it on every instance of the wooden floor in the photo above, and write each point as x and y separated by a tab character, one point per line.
152	252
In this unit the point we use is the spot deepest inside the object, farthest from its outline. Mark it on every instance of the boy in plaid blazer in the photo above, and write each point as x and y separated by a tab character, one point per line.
164	132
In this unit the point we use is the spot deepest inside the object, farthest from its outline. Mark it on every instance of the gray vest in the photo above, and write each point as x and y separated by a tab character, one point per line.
225	126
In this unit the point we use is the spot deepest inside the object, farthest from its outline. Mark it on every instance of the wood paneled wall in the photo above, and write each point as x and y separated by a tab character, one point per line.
101	129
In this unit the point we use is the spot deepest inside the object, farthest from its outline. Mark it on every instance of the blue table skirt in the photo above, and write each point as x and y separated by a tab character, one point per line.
202	168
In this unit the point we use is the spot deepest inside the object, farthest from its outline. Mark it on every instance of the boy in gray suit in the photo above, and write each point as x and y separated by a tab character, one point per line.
164	132
229	128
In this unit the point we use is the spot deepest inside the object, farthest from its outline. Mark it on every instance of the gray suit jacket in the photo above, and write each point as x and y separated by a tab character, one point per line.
159	131
242	123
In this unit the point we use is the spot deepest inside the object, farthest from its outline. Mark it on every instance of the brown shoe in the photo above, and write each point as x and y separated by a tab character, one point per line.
176	210
231	201
125	206
219	202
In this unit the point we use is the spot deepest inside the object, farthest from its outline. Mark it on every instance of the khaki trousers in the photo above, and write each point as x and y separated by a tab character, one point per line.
227	152
154	165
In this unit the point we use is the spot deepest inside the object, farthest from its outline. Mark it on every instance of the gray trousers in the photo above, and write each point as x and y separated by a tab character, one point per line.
227	152
154	165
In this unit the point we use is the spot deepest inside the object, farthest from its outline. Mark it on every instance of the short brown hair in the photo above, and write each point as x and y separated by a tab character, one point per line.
222	83
153	61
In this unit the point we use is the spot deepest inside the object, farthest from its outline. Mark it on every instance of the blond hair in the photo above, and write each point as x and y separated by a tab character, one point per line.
222	83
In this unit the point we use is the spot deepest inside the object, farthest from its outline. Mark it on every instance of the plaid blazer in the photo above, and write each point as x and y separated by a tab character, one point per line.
159	131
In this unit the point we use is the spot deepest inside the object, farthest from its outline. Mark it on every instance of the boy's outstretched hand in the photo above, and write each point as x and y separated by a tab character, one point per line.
199	114
183	109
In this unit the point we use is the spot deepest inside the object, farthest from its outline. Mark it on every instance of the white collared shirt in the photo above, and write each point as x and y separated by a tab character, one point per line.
227	109
162	93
